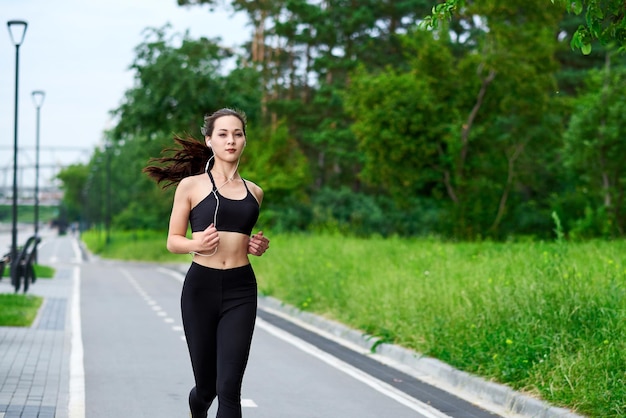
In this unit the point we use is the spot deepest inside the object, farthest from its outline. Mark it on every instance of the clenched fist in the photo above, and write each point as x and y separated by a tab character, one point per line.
258	244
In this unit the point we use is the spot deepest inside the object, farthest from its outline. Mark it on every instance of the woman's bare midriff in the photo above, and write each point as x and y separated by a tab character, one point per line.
232	252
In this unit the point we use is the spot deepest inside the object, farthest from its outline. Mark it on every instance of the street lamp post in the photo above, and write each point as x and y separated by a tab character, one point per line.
17	30
107	218
38	97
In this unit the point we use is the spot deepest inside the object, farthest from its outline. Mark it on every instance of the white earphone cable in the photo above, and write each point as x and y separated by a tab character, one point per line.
214	190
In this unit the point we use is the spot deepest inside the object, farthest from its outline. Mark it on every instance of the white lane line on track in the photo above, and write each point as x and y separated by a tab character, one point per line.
427	411
151	302
78	257
178	276
76	405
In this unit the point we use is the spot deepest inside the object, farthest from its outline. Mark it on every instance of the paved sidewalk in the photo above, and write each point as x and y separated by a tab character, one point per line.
34	362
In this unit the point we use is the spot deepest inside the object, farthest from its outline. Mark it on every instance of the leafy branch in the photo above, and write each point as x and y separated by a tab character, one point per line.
604	20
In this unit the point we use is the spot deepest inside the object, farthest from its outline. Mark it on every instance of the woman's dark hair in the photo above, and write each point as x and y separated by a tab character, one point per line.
209	120
187	159
191	156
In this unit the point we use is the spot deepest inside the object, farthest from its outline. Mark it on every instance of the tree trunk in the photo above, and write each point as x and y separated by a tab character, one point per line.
470	121
507	186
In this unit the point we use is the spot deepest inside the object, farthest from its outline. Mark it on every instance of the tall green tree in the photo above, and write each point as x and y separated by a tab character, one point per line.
177	80
466	118
73	179
305	51
344	34
595	147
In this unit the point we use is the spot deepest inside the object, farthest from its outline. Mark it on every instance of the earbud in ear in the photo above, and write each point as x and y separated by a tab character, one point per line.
209	144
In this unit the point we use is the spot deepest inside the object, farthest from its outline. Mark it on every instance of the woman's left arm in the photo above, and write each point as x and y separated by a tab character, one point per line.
258	244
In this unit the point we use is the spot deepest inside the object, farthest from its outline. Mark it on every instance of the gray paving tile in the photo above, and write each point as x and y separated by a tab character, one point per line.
34	362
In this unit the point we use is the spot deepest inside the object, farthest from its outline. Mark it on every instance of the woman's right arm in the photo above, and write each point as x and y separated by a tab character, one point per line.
177	241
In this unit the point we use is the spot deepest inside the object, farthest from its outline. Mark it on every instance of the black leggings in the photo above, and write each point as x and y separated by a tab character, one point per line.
219	311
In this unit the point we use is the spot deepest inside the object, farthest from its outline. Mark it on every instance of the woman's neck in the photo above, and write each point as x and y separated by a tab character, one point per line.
227	172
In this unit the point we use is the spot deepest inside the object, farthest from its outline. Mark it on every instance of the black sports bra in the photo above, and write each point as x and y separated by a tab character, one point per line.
232	215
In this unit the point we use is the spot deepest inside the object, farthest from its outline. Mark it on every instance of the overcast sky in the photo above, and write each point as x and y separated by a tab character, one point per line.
78	52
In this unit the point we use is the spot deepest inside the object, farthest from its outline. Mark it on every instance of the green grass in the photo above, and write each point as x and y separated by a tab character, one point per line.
26	213
548	319
41	271
18	310
44	272
132	245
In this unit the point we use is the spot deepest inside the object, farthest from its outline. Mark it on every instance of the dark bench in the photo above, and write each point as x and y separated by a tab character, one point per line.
23	267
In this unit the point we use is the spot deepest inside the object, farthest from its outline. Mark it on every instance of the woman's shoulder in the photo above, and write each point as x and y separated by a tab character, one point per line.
252	186
190	182
193	179
255	190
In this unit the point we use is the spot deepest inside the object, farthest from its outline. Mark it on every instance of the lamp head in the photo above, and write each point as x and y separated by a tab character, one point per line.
38	96
17	31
